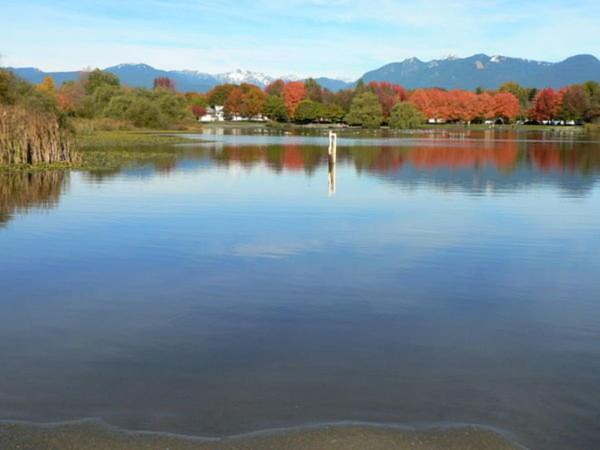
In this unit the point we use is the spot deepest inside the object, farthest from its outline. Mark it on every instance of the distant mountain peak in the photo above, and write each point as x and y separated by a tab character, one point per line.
481	70
139	66
451	72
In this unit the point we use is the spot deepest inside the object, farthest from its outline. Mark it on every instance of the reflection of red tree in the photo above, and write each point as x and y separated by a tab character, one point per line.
247	156
503	155
292	157
546	156
388	159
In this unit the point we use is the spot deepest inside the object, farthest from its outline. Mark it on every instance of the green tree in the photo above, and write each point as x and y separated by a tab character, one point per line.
314	91
307	111
95	103
14	90
136	108
365	111
96	78
592	89
332	113
405	115
518	91
360	87
275	109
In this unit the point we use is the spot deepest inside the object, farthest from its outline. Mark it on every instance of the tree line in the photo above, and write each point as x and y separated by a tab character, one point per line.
99	94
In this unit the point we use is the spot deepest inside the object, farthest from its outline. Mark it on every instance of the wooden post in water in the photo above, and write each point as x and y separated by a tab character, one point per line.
332	145
332	153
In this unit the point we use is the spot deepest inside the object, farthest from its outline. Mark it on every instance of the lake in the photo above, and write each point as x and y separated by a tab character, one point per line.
242	284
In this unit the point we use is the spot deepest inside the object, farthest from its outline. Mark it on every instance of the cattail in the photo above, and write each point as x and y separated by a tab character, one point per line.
32	137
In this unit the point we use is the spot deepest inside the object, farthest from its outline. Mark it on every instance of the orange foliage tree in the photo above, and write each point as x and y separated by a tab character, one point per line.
293	93
466	106
69	97
507	105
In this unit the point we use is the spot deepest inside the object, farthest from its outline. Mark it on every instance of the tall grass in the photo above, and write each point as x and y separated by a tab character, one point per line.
29	136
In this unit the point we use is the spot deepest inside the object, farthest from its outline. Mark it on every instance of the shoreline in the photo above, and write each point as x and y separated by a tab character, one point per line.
95	434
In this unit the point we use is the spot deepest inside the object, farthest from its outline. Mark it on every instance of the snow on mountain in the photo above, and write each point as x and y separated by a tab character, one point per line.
240	76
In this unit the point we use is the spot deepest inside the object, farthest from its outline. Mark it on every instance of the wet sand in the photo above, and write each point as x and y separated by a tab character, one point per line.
92	435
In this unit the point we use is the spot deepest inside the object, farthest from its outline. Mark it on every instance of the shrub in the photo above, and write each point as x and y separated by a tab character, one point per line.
405	115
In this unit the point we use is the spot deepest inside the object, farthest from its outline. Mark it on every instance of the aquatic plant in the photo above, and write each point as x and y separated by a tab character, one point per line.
32	136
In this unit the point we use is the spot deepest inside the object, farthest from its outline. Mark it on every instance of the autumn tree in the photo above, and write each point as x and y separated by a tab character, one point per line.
388	95
253	100
69	97
342	99
314	91
507	106
575	103
546	105
198	110
164	83
433	103
233	104
219	94
275	88
47	85
521	93
293	93
365	111
485	106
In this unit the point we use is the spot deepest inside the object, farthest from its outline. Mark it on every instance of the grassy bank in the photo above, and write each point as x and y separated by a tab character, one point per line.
126	138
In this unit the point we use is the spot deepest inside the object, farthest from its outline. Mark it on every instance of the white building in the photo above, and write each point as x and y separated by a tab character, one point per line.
215	114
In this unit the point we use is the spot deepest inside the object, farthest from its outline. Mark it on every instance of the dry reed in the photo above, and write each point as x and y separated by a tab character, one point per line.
32	137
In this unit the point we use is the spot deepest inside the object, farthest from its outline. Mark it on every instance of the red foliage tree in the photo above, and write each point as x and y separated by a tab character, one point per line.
546	105
164	83
293	93
388	95
275	88
575	103
198	110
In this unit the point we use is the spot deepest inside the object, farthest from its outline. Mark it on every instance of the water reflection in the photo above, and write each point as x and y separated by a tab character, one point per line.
216	289
19	192
473	165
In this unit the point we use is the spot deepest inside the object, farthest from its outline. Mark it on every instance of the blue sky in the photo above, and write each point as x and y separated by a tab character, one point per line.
303	37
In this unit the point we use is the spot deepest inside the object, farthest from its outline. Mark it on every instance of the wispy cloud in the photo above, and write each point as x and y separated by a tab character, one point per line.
307	37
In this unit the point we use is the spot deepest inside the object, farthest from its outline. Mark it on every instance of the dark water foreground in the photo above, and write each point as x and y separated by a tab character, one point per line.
231	287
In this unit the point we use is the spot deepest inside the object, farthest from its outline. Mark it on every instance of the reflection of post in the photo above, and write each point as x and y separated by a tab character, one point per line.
332	152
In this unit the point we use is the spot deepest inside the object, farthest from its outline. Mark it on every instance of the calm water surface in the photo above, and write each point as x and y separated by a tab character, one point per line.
230	287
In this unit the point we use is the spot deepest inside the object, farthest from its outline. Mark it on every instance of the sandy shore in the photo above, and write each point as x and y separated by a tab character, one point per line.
91	435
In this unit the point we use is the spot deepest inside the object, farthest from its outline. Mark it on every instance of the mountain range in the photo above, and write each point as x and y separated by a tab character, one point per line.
451	73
